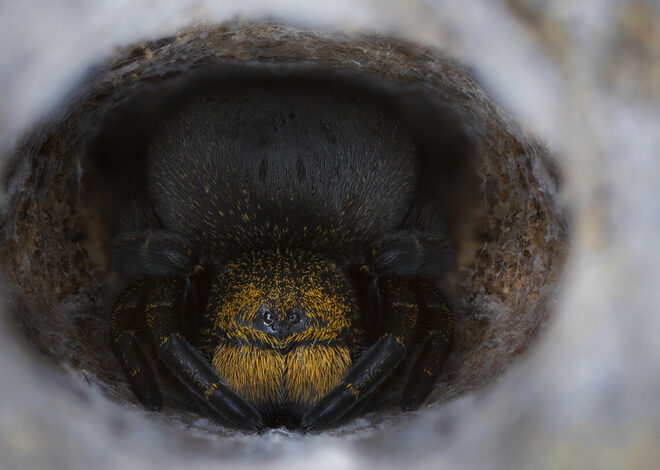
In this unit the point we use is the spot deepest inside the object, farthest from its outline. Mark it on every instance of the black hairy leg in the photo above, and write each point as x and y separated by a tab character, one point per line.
417	325
134	355
159	301
143	247
399	312
154	252
414	319
420	247
433	348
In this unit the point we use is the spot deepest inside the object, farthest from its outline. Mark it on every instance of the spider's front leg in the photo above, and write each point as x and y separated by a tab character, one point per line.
160	300
408	308
399	311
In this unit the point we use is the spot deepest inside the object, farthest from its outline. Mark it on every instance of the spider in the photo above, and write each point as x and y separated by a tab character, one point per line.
281	258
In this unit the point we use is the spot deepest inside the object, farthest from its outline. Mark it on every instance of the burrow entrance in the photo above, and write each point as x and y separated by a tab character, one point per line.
501	209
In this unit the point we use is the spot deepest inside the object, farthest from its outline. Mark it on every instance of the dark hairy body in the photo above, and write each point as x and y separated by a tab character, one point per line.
281	258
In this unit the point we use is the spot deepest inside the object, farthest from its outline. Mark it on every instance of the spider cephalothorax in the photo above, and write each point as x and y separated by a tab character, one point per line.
281	254
283	327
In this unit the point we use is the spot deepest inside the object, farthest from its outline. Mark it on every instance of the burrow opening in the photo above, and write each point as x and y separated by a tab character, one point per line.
501	207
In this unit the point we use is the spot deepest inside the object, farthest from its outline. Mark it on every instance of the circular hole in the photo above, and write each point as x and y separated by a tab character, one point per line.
499	198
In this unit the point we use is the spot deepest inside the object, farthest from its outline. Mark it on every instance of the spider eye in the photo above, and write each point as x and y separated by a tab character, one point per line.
294	318
269	317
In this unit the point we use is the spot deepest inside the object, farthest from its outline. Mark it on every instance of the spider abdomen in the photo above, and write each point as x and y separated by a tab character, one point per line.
274	167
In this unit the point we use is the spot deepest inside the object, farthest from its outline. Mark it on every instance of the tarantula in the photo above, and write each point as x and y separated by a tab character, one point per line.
281	257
